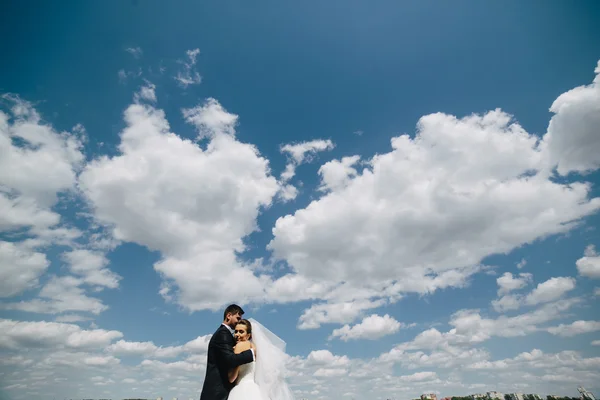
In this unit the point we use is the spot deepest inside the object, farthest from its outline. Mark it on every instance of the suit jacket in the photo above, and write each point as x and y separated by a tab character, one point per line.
221	359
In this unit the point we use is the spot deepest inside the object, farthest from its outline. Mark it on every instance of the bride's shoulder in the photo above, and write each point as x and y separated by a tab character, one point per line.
242	346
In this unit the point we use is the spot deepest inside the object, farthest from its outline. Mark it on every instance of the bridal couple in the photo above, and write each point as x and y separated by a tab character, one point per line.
246	361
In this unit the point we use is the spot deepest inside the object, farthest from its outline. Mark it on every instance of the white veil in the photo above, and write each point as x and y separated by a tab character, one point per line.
270	363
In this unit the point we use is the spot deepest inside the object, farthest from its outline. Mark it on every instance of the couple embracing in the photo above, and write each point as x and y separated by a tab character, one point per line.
246	361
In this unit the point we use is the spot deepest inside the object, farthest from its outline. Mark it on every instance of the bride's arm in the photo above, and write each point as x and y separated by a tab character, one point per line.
240	347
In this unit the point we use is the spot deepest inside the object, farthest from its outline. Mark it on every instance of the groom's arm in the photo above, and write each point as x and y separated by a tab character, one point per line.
225	352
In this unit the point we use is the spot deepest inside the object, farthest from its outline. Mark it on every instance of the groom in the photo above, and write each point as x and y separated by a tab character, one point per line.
221	357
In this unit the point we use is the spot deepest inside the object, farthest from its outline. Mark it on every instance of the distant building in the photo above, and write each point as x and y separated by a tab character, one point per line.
159	398
478	396
585	394
516	396
495	395
429	396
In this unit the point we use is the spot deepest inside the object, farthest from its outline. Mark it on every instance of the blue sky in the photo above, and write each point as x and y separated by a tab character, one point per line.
348	172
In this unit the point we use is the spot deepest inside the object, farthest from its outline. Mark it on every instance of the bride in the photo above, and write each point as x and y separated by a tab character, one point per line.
264	378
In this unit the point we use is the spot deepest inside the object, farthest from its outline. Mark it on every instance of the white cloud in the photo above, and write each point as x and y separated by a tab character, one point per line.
596	343
339	312
146	349
589	264
575	328
198	345
147	92
195	206
459	191
20	268
43	168
177	366
470	327
188	75
336	174
572	143
136	52
24	334
71	318
550	290
299	153
522	263
325	357
305	151
211	119
92	267
372	327
418	376
60	294
101	361
507	283
37	165
507	303
291	287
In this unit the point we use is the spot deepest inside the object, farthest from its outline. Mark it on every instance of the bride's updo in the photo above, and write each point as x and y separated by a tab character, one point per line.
248	326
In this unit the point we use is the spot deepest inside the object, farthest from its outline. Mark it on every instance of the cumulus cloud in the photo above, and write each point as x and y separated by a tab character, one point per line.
146	349
60	294
24	334
194	205
336	174
507	283
575	328
20	268
211	119
37	165
372	327
507	302
550	290
339	312
438	203
92	267
150	350
589	264
470	327
572	143
416	219
147	92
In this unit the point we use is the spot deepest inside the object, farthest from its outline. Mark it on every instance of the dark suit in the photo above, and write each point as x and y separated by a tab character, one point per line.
221	359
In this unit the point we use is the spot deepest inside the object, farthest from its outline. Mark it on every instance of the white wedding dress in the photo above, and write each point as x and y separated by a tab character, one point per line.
246	387
264	378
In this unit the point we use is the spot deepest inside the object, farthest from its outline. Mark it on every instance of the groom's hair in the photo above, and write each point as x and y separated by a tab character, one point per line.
233	309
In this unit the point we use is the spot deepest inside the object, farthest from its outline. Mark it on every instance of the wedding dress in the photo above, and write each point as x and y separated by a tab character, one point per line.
246	387
264	378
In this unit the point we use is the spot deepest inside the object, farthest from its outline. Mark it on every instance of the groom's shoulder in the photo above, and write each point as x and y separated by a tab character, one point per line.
220	330
221	335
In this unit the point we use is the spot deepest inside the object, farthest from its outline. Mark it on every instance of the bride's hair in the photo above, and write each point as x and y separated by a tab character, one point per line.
248	326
